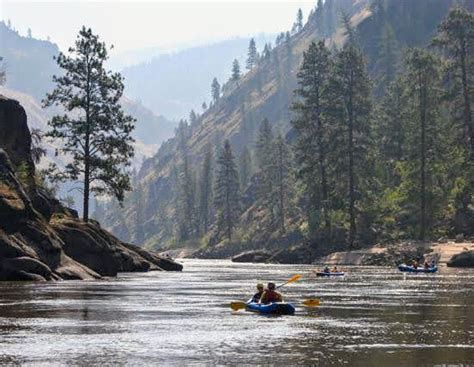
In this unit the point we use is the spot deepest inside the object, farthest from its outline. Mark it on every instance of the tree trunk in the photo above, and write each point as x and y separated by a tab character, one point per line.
282	189
423	159
86	183
467	101
352	229
324	184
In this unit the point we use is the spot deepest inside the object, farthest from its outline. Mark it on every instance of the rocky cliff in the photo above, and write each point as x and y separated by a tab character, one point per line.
40	239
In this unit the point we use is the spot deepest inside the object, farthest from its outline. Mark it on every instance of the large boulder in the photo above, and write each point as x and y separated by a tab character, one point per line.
253	256
463	260
102	252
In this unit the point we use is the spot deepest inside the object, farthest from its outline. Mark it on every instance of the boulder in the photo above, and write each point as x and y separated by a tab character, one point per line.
102	252
164	263
464	259
253	256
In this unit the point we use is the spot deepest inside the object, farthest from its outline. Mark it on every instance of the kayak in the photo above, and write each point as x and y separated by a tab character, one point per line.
275	308
411	269
331	274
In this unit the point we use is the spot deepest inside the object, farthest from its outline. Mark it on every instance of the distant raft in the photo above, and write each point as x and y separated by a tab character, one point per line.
330	274
411	269
275	308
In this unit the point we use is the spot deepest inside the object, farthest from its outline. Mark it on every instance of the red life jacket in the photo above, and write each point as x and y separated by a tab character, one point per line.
271	296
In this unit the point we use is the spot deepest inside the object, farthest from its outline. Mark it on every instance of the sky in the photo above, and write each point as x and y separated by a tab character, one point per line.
132	25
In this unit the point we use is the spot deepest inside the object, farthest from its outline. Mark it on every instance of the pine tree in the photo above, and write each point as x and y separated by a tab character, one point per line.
299	20
28	33
351	87
265	156
215	90
390	131
311	124
227	196
245	167
388	58
37	149
251	55
456	38
205	188
235	71
186	208
204	106
193	117
423	84
282	180
95	133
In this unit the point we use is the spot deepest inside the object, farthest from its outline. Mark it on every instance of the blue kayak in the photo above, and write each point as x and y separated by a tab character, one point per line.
331	274
275	308
411	269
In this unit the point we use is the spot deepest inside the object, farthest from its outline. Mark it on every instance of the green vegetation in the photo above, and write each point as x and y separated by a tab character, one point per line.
96	132
341	143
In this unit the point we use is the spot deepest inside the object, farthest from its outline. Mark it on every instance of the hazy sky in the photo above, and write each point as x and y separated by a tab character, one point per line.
130	25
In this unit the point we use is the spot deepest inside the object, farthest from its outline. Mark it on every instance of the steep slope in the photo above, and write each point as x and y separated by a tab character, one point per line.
173	84
265	92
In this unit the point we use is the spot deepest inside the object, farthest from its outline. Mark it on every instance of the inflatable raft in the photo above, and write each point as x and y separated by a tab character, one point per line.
331	274
275	308
411	269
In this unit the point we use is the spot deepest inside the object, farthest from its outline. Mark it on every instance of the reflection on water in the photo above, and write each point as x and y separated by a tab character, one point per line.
372	316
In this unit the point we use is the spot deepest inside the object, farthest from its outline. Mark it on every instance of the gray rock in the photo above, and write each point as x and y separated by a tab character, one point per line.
462	260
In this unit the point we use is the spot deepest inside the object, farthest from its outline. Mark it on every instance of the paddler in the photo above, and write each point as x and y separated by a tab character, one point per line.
271	295
256	297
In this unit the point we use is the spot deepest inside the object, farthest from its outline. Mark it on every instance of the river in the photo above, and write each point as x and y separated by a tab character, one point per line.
374	316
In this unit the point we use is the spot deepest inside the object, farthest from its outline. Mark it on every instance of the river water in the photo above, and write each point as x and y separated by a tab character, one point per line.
374	316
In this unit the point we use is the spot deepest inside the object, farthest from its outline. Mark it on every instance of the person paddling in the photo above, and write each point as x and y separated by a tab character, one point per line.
271	295
256	297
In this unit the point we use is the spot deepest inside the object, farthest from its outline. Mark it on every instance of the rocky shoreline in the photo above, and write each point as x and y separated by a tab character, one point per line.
40	239
446	253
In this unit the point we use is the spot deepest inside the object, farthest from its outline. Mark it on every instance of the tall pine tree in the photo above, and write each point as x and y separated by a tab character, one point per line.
352	92
227	194
311	108
95	132
251	54
205	190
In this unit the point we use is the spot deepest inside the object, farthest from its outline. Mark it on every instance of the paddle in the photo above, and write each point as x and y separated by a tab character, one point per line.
294	278
311	302
239	305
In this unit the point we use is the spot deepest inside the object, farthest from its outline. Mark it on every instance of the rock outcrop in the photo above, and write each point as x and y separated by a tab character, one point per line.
463	260
40	239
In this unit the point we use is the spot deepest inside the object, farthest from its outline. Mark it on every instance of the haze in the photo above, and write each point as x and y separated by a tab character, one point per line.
164	24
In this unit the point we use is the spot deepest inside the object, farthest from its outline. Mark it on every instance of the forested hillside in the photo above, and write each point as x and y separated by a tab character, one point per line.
343	143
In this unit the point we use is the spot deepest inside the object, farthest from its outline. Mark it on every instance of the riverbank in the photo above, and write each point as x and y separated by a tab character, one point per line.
440	252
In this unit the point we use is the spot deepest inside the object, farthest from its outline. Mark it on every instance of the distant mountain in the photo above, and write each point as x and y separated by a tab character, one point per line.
175	83
28	62
30	67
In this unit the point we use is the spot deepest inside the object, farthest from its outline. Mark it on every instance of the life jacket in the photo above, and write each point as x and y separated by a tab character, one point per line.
271	296
256	297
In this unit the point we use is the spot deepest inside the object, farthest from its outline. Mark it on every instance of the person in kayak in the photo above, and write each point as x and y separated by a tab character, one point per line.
256	297
426	265
415	264
326	270
271	295
334	270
